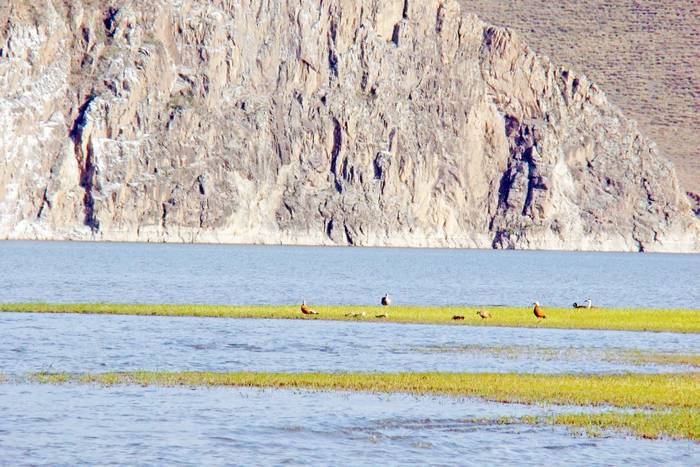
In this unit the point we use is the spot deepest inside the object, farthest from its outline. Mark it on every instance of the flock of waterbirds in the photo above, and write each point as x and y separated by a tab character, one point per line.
483	314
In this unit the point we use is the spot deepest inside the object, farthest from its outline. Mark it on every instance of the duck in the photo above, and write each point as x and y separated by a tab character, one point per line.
483	314
538	311
306	310
386	301
457	317
383	315
587	304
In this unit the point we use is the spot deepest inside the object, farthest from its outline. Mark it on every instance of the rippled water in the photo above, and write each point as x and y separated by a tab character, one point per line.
89	343
90	425
229	274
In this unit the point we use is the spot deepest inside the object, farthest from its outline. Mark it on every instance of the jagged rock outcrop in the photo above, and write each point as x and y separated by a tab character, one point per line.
367	122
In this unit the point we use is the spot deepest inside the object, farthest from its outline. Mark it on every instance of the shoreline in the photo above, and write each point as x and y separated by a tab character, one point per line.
388	246
610	319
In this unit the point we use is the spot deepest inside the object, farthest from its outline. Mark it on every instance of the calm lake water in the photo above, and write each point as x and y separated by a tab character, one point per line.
97	343
226	274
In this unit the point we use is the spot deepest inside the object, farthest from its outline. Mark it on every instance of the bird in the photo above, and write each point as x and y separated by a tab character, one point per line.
586	304
386	301
538	311
383	315
306	310
483	314
457	317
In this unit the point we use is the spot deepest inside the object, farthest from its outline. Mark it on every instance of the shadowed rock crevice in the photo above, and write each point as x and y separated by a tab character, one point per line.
87	180
84	155
335	152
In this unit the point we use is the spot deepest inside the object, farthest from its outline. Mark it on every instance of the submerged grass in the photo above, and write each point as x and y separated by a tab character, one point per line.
663	359
628	390
673	398
634	357
683	321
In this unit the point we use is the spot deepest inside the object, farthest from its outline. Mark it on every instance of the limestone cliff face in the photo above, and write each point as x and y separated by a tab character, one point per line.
364	122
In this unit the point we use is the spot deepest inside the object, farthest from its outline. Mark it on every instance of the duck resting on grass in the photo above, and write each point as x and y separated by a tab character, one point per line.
586	304
483	314
306	310
457	317
538	311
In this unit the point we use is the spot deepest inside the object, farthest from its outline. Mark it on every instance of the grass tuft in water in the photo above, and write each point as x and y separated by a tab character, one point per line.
678	423
675	423
685	321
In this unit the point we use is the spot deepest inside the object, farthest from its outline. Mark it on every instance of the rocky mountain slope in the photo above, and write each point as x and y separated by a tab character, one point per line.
645	54
367	122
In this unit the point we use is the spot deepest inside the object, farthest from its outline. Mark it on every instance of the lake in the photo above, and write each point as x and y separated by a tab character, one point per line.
233	274
94	343
89	424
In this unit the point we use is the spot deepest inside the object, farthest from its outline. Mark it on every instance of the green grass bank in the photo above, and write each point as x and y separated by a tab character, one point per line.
682	321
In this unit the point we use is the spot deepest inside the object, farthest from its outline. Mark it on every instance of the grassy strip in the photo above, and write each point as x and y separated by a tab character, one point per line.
629	390
678	423
683	321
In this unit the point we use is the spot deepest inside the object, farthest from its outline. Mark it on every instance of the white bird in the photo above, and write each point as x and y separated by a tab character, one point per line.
587	304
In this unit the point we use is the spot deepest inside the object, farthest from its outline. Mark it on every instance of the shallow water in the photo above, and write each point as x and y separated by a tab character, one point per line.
89	425
230	274
94	343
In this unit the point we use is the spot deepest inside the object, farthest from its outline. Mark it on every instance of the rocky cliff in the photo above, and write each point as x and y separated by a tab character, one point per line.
363	122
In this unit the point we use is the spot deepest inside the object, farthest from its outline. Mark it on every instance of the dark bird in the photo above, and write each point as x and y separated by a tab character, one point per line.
457	317
586	304
538	311
483	314
306	310
383	315
386	301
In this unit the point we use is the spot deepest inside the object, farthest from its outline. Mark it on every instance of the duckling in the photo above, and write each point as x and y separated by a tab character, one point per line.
457	317
483	314
356	315
306	310
386	301
538	311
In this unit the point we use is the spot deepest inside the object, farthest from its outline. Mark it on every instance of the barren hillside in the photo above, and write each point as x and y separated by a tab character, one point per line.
645	54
